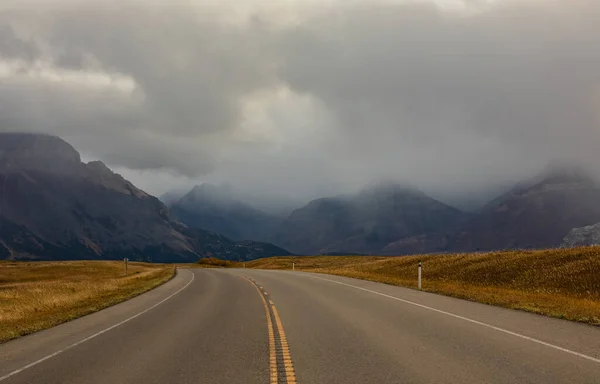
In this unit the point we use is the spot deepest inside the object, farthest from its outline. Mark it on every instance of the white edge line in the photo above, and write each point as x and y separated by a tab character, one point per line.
95	334
590	358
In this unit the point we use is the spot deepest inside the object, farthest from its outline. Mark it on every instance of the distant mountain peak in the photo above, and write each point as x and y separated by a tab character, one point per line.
557	174
566	172
171	197
204	187
390	187
209	193
216	208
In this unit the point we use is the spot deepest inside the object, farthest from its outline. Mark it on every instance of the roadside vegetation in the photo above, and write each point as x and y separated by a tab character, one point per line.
212	262
39	295
563	283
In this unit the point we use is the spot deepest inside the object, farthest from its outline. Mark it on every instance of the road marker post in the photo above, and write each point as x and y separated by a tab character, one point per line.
420	275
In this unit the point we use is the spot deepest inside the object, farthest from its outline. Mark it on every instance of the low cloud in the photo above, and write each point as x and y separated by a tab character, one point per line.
309	98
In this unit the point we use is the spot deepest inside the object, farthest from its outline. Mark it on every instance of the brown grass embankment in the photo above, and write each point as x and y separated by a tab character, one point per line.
39	295
563	283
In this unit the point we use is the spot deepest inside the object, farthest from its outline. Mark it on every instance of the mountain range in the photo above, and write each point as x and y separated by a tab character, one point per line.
398	219
54	206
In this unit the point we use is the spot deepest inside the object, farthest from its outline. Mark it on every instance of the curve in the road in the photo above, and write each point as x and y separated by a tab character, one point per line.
58	352
213	328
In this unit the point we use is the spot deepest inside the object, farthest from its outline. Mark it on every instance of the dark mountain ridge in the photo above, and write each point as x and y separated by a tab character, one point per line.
366	222
215	209
397	219
53	206
537	213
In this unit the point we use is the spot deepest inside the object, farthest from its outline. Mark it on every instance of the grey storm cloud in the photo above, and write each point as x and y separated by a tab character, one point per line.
309	98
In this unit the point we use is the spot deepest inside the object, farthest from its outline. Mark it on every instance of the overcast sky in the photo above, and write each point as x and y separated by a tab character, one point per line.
307	98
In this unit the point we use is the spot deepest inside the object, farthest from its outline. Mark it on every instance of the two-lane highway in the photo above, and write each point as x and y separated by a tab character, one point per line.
252	326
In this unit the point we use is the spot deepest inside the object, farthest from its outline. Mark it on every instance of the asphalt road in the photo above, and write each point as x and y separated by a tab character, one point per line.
217	326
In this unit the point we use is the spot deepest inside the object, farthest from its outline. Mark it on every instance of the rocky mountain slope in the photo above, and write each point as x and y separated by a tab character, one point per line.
366	222
53	206
215	209
538	213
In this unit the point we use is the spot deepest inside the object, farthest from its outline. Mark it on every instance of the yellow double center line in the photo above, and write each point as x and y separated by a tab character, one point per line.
280	360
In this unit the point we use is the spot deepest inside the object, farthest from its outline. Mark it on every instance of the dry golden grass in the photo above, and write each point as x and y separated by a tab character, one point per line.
212	262
209	262
39	295
563	283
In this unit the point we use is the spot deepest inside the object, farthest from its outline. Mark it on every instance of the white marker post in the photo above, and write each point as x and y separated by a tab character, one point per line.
419	275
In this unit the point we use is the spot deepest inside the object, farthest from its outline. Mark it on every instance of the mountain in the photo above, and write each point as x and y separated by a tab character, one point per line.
215	209
53	206
537	213
366	222
171	197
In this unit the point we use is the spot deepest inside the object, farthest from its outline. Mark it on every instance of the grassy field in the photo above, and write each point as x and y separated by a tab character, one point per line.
563	283
39	295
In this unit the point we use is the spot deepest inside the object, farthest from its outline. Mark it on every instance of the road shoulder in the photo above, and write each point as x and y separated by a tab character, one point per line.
26	350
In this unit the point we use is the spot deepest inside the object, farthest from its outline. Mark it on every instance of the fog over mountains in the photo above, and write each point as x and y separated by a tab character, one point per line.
54	206
396	219
303	108
216	209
